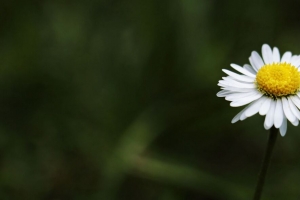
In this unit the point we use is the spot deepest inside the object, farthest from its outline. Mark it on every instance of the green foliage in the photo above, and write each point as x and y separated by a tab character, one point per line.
116	100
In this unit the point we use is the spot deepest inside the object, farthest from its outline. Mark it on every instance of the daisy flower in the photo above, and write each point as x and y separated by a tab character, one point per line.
270	86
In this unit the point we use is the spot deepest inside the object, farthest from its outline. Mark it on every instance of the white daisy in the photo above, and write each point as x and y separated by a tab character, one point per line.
270	85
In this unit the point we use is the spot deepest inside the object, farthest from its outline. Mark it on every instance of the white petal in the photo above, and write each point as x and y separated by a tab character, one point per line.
240	79
230	79
256	60
234	89
265	107
294	109
286	57
245	100
224	93
296	61
232	83
267	54
283	127
242	70
278	115
296	122
238	76
254	107
295	100
269	119
249	68
287	110
243	116
236	96
266	127
237	117
293	60
252	64
276	55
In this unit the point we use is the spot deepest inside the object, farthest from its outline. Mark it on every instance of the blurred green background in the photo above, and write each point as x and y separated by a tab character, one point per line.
117	100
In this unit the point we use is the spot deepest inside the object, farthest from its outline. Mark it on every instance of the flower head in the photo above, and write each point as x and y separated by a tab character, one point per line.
270	86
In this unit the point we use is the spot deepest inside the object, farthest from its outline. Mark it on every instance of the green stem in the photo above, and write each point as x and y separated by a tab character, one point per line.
265	164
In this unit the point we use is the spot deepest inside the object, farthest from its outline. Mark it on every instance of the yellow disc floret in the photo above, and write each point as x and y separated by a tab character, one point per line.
278	80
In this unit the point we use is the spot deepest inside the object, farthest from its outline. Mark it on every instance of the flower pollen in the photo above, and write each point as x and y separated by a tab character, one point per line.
278	80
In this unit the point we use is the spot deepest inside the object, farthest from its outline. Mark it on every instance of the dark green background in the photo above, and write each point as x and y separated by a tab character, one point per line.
117	100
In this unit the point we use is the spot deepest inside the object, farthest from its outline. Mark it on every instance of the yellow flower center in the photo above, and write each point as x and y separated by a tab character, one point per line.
278	80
